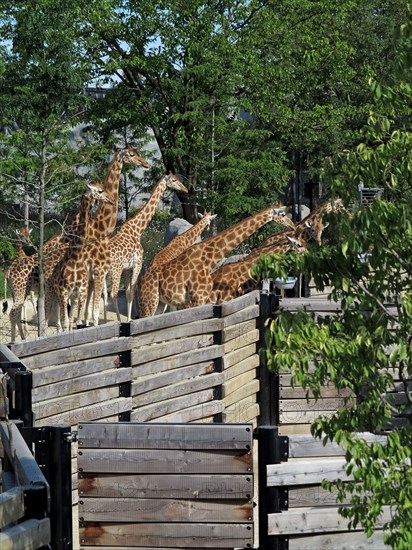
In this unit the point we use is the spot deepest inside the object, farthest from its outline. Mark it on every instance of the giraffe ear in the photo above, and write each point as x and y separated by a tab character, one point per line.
213	216
200	216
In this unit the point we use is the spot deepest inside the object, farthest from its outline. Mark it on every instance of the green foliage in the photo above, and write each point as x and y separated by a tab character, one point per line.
367	267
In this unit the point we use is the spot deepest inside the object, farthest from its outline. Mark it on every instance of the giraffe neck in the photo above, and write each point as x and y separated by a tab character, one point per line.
180	243
141	219
105	218
220	245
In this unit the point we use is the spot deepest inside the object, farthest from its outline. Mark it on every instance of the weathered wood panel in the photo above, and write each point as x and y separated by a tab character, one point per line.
176	390
128	435
246	339
350	540
65	340
311	520
204	412
301	446
238	382
286	392
146	354
239	330
28	535
81	384
321	404
306	472
154	381
240	303
249	364
171	319
249	389
172	461
158	510
302	416
182	535
176	361
244	410
246	314
204	326
239	354
11	506
67	371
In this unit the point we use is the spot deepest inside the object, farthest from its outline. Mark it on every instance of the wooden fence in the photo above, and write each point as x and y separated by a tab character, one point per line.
25	498
198	364
165	485
295	511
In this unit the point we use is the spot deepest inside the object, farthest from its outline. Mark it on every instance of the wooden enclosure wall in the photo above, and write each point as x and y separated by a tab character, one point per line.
165	485
312	519
192	365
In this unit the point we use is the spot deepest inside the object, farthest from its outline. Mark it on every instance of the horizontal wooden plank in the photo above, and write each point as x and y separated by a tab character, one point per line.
29	535
240	303
238	382
171	319
246	339
293	429
97	411
239	329
287	392
311	520
204	326
251	388
251	363
155	352
64	340
79	353
60	405
306	472
112	377
198	413
350	540
310	304
244	410
161	379
251	312
182	535
302	417
313	496
183	387
301	446
154	411
239	354
321	404
176	361
170	461
11	506
158	510
67	371
189	486
130	435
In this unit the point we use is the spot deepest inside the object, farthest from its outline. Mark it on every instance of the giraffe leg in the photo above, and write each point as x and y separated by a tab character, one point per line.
148	295
90	293
131	289
116	275
15	321
98	289
105	301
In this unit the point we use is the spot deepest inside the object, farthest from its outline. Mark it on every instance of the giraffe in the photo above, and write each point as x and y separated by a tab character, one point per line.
69	276
126	251
96	253
232	280
186	280
176	246
312	226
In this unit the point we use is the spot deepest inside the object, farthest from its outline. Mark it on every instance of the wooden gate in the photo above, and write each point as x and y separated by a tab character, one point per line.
163	485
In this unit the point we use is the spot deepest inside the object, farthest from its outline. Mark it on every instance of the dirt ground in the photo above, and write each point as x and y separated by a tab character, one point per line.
31	320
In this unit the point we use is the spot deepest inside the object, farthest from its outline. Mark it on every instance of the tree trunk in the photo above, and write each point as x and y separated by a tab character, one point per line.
41	328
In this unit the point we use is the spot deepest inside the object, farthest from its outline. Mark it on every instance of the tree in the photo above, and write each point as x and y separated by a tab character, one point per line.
367	265
42	77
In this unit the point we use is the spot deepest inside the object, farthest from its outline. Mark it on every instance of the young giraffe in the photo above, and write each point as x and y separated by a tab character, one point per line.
95	253
126	251
179	244
186	280
69	277
232	280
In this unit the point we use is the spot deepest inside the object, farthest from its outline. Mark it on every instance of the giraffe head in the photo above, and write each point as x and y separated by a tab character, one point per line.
280	217
24	234
173	182
296	244
95	192
128	155
208	217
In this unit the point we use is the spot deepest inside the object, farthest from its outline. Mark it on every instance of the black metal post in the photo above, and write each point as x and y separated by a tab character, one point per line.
272	449
61	488
22	397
